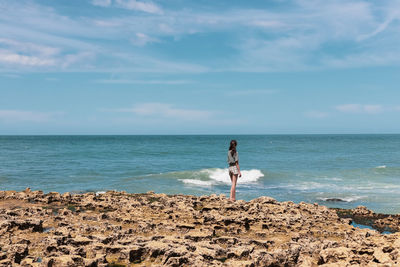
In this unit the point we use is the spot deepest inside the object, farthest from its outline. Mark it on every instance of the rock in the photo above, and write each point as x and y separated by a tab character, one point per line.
28	262
64	260
136	254
80	241
157	229
157	249
96	261
53	197
239	252
27	190
332	255
264	200
35	225
3	255
6	262
362	211
381	257
18	252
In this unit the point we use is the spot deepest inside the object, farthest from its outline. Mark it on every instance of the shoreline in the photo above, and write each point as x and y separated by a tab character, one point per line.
157	229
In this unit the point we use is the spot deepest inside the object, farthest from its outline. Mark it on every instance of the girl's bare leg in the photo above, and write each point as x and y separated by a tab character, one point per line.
230	176
233	187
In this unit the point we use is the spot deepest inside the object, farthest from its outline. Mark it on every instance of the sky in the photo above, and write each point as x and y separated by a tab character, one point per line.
199	67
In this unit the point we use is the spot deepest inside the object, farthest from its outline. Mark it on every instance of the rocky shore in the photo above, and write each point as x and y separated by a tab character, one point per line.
121	229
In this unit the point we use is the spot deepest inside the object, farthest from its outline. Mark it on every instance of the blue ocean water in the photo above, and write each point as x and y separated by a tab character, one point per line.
355	169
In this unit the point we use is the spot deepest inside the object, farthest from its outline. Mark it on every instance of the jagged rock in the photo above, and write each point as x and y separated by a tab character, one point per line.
80	241
6	262
362	211
3	255
156	229
28	262
264	200
96	261
53	197
35	225
18	252
332	255
136	254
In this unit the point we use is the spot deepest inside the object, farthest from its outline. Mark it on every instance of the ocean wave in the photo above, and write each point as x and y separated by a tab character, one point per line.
306	186
208	177
381	167
197	182
248	176
332	179
341	199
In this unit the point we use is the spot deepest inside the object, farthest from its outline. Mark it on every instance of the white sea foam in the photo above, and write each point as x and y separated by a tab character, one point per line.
305	186
381	167
332	179
221	176
197	182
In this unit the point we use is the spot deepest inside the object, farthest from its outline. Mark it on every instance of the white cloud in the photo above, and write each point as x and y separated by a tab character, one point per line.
373	109
310	27
349	108
167	111
106	23
148	7
23	115
12	58
72	59
142	39
302	37
27	47
138	5
270	24
103	3
358	108
26	54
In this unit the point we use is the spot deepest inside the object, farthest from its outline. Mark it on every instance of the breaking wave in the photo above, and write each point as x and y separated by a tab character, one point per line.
209	177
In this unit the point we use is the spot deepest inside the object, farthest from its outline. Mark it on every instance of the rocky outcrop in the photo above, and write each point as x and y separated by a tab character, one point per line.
378	221
148	229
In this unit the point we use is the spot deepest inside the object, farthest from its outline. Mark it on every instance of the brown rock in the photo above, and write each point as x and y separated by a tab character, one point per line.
362	211
332	255
18	252
136	254
156	229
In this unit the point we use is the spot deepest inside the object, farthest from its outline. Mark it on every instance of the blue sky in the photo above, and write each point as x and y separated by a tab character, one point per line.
199	67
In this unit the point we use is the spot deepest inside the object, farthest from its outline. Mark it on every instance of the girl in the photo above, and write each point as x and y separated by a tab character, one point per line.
234	169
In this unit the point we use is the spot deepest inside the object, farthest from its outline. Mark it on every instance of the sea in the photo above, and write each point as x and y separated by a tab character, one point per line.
342	171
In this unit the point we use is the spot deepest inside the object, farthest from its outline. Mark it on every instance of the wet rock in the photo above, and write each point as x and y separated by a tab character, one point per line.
362	211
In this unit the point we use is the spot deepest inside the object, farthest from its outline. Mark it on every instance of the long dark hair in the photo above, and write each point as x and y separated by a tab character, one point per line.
232	147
